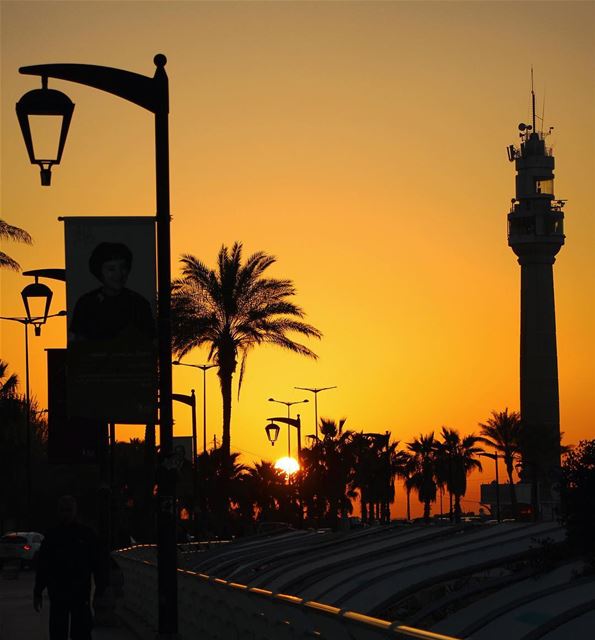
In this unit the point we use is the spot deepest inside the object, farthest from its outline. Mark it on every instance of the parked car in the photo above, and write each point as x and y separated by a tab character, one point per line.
20	545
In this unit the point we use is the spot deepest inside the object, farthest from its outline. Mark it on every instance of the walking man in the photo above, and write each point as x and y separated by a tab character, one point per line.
70	553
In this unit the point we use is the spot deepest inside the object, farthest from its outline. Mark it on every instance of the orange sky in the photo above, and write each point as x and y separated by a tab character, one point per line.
363	144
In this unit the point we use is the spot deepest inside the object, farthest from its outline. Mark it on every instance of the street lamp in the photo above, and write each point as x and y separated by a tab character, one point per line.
37	297
289	405
272	431
494	456
151	94
48	104
36	322
204	368
191	402
315	391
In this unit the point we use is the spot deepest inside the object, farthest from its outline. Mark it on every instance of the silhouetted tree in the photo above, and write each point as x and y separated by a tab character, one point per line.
502	431
455	460
328	471
219	475
577	492
8	232
423	476
267	489
231	310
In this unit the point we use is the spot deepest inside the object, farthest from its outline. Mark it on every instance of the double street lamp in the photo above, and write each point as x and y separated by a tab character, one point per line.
152	94
315	391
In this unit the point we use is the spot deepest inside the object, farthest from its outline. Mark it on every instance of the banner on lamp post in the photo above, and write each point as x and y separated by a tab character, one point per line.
73	440
111	307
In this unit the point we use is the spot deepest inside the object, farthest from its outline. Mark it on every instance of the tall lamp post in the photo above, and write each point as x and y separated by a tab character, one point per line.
191	402
315	391
204	368
37	322
151	94
288	422
494	456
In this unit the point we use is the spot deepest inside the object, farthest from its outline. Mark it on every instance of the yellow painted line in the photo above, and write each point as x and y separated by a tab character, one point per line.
419	633
322	607
293	599
237	585
374	622
264	592
220	580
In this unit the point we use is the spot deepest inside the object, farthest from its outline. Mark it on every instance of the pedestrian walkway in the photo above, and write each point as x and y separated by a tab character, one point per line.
19	621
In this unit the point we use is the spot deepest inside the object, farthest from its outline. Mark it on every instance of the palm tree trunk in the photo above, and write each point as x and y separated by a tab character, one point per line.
225	380
427	511
408	503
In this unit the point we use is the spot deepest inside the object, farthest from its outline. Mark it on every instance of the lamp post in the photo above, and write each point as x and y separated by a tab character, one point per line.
191	402
494	456
37	322
315	391
151	94
289	405
204	368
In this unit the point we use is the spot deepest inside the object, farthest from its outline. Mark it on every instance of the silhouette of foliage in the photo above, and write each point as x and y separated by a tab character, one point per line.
502	432
8	232
232	309
577	491
455	460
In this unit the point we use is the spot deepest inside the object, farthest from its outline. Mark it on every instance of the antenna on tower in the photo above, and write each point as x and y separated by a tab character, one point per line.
532	98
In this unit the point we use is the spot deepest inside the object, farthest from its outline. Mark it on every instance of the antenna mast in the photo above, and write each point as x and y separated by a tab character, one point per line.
533	98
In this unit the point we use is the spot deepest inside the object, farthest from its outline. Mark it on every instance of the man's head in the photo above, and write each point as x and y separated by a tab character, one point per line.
110	263
67	509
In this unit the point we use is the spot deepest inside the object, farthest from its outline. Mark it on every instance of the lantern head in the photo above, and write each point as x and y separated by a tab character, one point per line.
45	109
272	430
37	298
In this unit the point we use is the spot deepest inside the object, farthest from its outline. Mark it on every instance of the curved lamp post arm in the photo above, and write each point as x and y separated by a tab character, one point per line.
146	92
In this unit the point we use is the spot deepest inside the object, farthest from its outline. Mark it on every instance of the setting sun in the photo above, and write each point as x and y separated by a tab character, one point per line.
287	465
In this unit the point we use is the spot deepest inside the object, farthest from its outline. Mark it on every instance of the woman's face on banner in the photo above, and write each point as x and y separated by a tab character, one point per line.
114	274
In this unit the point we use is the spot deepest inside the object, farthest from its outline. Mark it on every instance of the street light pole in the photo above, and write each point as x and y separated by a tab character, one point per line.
205	368
289	405
494	457
151	94
315	391
28	467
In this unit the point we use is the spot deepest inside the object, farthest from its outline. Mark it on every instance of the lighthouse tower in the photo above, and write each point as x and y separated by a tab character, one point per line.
536	234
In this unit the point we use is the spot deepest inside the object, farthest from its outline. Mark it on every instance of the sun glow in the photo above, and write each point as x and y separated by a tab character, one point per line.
287	465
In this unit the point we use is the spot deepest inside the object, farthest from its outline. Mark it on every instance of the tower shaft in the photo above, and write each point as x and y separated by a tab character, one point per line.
535	234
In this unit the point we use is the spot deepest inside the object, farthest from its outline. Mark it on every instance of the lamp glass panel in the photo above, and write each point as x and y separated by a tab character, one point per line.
37	306
45	134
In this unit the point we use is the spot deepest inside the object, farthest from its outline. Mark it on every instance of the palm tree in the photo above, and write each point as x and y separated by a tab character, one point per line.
407	469
231	310
267	488
456	456
423	478
8	385
328	472
502	432
219	479
8	232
